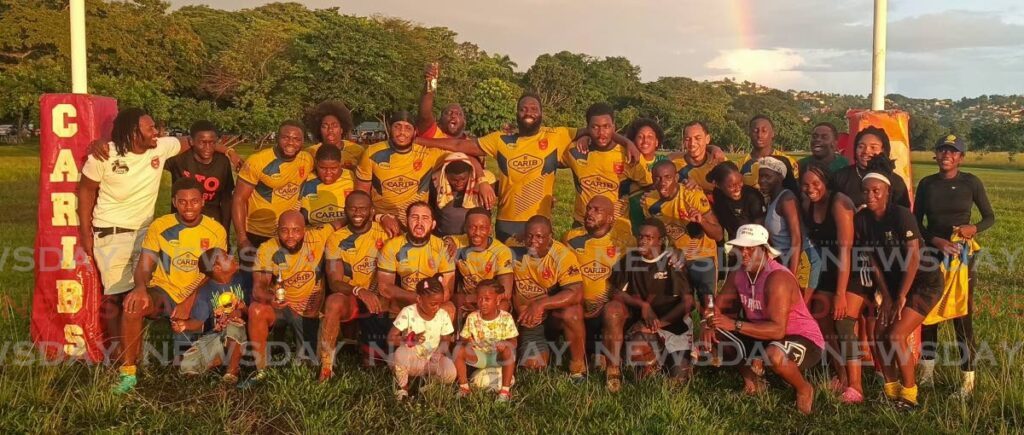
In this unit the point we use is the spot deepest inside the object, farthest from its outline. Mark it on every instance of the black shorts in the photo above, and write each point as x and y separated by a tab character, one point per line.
925	294
797	348
538	339
374	330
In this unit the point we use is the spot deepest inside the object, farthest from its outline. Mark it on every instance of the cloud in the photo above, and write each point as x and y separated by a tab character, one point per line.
756	61
803	44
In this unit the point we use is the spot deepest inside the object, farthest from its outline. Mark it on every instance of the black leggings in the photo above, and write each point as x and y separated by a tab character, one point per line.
963	328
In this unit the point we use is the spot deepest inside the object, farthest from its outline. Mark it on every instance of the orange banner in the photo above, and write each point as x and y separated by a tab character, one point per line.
896	124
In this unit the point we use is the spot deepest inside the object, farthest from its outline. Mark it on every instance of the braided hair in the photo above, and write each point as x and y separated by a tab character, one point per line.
430	286
126	126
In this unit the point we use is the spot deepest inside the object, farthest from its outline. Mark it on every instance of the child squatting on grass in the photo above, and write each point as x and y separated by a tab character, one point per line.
218	313
422	334
488	340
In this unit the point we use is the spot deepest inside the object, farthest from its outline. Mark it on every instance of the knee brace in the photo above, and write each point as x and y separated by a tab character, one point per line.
849	343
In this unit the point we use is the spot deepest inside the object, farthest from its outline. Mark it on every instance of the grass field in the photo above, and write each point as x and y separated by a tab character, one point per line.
75	397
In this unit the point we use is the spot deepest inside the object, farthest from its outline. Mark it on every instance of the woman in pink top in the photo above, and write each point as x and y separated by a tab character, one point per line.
774	326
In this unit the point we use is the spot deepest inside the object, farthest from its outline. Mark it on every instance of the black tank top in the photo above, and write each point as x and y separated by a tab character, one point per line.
824	235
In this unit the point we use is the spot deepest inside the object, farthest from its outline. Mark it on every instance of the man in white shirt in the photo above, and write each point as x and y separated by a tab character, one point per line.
116	199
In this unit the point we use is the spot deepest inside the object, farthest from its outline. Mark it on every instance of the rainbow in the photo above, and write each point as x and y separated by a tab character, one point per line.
742	22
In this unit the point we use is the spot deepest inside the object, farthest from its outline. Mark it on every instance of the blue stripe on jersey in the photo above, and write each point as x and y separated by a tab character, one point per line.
580	241
509	139
349	242
655	209
550	163
375	182
425	182
684	173
310	186
346	269
264	191
382	156
165	262
576	154
403	252
173	233
274	167
279	257
747	166
518	252
502	163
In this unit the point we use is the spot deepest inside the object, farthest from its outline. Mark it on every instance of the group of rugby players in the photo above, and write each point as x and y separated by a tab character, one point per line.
435	264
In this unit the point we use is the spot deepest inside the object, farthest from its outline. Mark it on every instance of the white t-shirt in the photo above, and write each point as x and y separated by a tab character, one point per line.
409	320
129	184
485	334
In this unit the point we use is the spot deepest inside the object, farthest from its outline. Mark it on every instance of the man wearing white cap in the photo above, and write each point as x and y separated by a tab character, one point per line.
776	325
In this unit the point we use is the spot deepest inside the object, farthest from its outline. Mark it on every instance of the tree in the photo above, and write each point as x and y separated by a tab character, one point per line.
924	132
491	105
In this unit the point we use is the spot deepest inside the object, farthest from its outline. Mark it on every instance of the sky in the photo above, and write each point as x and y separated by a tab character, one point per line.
936	48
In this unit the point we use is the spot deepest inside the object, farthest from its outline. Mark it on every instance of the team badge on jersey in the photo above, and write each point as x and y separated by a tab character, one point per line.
155	163
543	144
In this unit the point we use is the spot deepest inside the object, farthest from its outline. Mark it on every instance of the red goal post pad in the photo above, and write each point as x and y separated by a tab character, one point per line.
896	124
67	297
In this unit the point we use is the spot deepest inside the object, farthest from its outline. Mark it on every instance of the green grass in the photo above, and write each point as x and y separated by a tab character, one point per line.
74	397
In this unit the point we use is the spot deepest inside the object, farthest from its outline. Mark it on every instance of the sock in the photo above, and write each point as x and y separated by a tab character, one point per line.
128	370
892	389
927	370
968	385
909	394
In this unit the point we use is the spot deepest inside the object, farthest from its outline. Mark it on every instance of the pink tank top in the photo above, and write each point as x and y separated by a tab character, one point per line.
753	299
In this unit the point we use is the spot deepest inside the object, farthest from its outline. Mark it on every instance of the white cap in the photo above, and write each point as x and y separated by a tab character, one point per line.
772	164
751	235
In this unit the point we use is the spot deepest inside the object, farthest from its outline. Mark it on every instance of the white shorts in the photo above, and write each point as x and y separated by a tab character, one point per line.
116	256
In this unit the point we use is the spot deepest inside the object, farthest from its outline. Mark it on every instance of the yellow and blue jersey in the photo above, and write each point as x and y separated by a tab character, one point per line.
351	153
412	264
697	173
537	277
178	249
301	272
526	170
674	211
597	256
325	203
601	173
475	265
276	183
358	254
397	178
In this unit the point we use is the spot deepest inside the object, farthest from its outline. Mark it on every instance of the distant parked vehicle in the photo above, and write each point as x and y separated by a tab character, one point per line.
7	130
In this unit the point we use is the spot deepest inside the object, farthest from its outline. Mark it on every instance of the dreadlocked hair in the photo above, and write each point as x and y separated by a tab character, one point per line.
430	286
882	164
126	125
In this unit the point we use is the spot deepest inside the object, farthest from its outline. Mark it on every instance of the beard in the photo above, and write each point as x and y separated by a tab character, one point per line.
529	129
419	241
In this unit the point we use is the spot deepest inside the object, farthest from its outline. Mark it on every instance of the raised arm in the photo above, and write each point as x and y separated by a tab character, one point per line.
426	113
